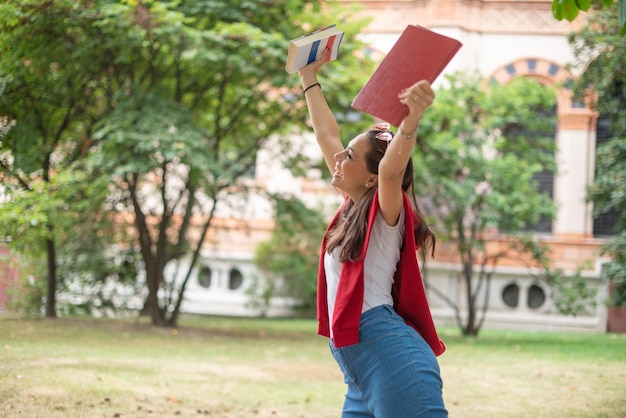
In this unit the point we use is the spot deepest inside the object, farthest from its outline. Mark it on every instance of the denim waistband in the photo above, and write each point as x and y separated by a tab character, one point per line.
384	310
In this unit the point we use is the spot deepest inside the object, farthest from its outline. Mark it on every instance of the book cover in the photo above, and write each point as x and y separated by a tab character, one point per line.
418	54
308	48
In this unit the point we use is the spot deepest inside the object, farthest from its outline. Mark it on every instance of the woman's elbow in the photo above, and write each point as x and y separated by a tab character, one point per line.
389	172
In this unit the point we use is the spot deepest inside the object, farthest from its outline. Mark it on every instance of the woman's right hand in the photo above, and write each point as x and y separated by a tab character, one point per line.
308	74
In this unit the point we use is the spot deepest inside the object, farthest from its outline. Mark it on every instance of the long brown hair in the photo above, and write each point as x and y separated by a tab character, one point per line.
351	227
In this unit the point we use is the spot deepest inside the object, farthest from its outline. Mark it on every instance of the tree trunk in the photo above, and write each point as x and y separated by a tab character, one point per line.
616	318
155	312
51	311
470	325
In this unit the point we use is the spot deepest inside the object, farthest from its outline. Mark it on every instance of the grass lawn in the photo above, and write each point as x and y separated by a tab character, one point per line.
225	367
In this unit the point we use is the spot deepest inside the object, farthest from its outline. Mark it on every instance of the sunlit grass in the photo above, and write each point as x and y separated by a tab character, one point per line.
235	367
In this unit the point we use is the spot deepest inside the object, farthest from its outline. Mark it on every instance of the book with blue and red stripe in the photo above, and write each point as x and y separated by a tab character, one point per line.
308	48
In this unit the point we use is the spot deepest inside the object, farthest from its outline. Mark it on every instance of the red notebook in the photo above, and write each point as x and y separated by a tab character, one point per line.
419	54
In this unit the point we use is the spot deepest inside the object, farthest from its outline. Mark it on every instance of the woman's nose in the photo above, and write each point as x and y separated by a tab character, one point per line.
340	155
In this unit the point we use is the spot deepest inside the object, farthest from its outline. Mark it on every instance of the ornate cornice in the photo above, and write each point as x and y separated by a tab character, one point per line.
572	115
479	16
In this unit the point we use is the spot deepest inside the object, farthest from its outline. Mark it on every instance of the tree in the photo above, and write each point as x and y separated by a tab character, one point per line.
182	141
47	100
481	146
569	9
182	95
600	50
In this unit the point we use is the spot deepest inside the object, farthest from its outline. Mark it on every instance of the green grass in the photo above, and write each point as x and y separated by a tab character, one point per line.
225	367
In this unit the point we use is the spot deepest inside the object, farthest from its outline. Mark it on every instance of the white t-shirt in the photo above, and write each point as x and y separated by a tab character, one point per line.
381	259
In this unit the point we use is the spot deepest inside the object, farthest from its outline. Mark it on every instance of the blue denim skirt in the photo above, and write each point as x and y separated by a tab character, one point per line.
392	372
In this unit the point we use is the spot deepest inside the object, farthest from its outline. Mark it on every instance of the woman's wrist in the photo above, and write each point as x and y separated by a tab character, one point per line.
407	133
311	86
308	81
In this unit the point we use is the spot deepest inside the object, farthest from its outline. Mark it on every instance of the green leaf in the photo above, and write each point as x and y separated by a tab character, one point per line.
557	11
583	4
570	9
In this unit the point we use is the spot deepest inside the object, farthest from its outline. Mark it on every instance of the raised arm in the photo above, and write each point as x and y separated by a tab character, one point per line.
417	98
324	124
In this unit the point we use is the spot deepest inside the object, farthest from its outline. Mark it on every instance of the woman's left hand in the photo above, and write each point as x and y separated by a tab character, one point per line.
417	98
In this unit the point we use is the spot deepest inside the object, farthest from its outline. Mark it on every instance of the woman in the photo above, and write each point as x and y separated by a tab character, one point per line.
371	300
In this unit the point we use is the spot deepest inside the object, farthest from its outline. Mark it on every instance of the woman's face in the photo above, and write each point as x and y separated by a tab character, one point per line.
351	175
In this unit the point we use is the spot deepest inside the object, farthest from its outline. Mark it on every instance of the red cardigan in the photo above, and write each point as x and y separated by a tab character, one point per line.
408	289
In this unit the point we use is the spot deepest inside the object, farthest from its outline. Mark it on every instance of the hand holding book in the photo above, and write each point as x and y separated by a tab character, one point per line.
417	98
308	48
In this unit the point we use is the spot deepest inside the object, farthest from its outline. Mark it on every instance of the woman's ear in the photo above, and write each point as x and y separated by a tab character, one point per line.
372	181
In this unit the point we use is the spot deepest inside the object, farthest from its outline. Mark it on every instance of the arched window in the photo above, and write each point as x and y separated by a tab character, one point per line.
548	73
235	279
204	277
510	295
536	297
